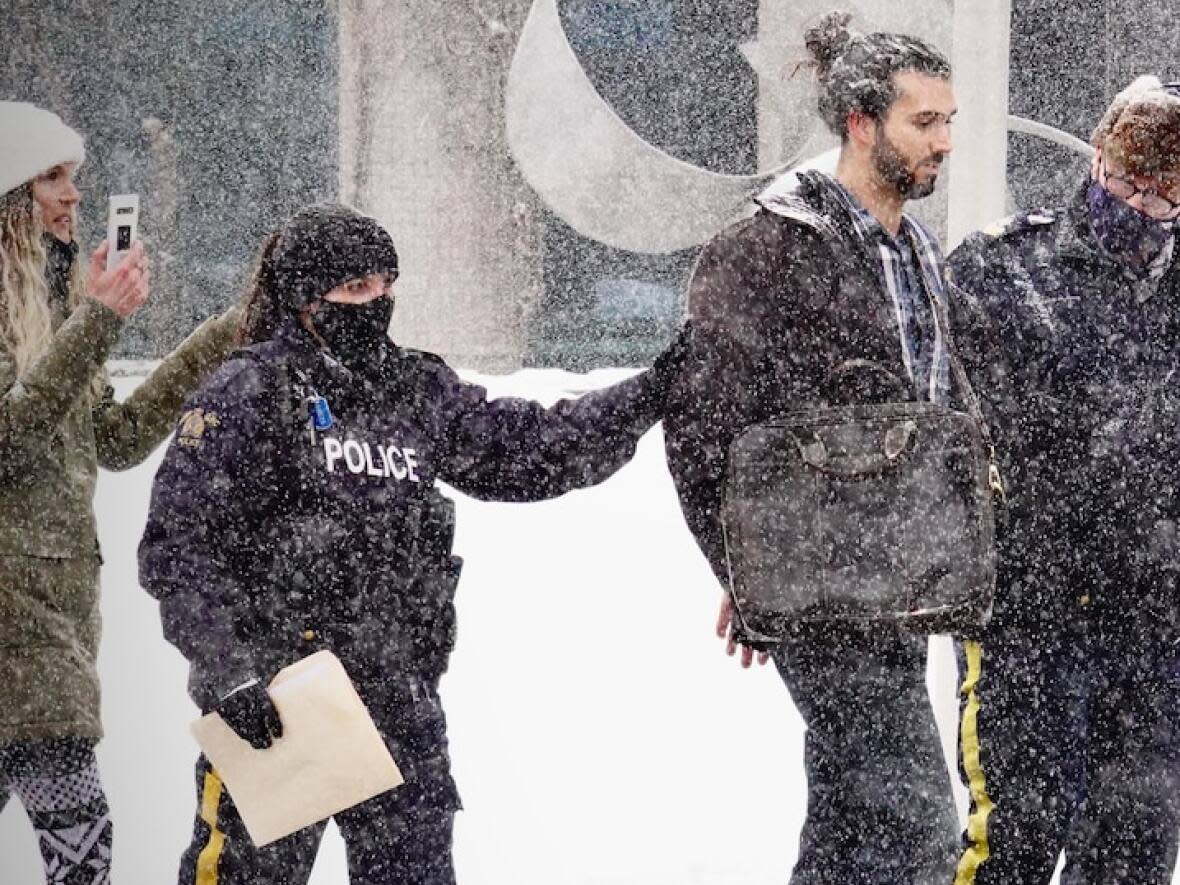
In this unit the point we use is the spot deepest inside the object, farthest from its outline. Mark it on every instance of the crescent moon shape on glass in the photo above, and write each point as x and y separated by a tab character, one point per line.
591	168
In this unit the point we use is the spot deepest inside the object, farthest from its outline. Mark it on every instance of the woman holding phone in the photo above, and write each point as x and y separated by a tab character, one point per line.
59	422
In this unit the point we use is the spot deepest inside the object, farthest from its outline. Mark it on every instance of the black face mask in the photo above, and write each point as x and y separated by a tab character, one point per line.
1126	234
356	334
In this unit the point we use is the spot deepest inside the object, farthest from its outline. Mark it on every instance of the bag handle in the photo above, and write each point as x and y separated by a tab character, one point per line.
970	398
894	443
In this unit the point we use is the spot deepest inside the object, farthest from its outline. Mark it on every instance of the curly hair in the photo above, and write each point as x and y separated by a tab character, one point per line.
856	71
1140	131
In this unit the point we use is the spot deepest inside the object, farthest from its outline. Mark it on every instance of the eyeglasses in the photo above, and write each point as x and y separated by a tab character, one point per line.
1154	205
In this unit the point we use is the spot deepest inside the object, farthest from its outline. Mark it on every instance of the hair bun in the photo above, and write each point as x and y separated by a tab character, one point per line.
828	40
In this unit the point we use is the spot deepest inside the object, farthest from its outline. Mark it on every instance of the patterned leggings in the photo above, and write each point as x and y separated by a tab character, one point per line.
57	782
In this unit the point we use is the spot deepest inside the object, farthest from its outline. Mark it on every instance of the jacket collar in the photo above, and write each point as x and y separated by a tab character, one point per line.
310	359
808	198
863	234
839	204
314	362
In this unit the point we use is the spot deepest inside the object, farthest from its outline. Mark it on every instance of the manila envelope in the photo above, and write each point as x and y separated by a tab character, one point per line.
330	756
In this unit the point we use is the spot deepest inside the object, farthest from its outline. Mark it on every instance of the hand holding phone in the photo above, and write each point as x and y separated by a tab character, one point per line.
124	289
122	227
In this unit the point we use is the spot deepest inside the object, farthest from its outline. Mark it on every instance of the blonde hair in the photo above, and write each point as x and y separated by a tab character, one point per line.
26	318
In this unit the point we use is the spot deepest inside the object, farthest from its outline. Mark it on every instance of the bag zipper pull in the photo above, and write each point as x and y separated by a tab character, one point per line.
994	481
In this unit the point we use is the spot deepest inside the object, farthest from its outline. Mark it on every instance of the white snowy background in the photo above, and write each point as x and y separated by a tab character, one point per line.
600	735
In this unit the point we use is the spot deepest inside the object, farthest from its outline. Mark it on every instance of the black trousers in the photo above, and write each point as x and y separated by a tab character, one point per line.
1070	741
880	810
402	837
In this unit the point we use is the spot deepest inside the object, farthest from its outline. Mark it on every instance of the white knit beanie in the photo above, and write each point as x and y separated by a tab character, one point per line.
33	140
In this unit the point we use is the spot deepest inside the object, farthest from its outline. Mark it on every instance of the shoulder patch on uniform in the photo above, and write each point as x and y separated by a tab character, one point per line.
193	425
996	228
1020	221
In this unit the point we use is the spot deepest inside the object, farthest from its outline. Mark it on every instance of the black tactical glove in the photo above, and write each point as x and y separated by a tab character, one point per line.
250	712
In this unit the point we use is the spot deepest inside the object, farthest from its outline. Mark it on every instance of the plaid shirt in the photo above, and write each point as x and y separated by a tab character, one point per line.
914	270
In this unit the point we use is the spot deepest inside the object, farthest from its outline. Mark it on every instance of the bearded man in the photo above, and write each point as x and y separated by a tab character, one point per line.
790	307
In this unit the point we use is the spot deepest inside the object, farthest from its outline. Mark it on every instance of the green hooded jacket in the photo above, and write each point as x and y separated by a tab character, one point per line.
59	422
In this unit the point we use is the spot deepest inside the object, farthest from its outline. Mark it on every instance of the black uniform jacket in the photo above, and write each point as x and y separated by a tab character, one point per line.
268	539
1076	362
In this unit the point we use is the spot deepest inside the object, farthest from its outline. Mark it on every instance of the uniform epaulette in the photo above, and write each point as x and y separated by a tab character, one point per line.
1020	222
424	355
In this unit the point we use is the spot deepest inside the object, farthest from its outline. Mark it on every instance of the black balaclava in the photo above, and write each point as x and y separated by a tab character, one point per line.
320	248
1126	234
354	332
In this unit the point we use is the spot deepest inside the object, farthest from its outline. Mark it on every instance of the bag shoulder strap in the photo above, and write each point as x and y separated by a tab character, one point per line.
971	399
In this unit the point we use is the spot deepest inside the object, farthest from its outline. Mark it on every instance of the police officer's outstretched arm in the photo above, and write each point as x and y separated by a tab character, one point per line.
218	466
512	449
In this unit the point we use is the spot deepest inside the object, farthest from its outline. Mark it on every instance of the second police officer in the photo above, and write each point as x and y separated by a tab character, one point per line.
1070	734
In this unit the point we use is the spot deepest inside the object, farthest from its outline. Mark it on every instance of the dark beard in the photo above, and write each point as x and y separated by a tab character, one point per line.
894	170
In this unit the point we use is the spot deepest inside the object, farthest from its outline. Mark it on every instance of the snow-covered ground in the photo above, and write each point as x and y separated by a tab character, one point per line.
599	733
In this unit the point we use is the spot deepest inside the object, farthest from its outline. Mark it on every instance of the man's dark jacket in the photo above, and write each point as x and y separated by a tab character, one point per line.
268	540
1076	363
786	306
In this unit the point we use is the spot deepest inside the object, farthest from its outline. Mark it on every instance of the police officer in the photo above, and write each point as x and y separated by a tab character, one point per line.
1070	735
296	510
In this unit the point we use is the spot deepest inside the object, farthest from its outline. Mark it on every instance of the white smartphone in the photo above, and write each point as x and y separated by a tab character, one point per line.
122	226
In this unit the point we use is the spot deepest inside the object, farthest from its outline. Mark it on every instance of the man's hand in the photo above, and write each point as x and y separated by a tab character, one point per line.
250	712
124	289
725	631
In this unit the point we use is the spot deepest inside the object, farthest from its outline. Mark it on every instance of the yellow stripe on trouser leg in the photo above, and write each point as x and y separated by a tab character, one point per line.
978	849
210	856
